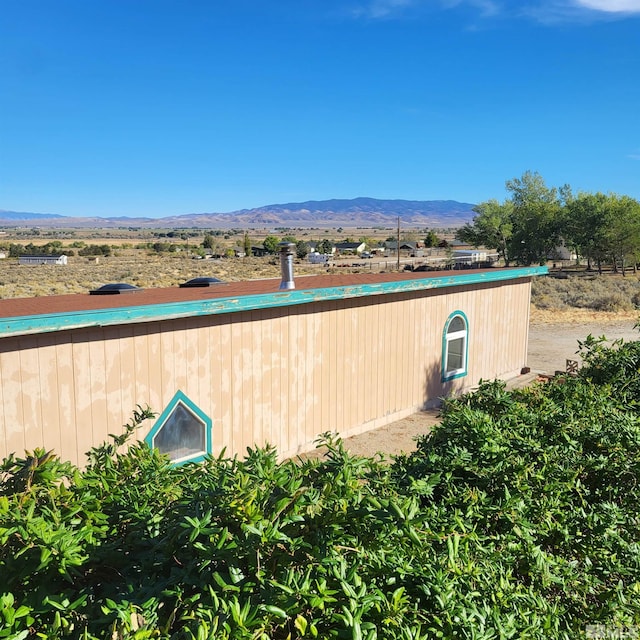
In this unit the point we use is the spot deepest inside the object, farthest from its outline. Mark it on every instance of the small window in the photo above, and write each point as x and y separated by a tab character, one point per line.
183	431
455	347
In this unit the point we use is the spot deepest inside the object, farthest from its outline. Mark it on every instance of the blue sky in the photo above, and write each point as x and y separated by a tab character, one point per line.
163	107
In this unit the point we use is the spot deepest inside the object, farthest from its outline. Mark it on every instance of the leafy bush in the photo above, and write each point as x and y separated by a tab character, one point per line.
517	517
95	250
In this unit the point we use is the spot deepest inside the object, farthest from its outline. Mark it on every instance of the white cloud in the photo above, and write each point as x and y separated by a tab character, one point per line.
545	11
383	8
390	8
486	7
611	6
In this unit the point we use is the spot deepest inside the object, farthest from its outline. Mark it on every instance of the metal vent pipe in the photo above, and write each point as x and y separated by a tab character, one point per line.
286	265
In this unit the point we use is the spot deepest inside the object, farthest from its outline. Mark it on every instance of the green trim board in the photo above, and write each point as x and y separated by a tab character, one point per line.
46	323
181	399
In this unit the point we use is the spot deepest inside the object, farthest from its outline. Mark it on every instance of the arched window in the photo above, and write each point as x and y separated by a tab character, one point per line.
455	346
183	431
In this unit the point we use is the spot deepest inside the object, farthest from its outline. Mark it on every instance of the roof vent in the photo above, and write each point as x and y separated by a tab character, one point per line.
114	288
286	265
201	282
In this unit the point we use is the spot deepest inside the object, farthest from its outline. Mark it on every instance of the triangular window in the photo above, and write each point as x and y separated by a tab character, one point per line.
183	431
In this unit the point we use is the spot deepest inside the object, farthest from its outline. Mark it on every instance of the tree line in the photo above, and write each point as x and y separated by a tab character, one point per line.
529	226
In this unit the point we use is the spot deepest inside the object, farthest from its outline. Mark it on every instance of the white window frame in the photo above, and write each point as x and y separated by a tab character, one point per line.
447	340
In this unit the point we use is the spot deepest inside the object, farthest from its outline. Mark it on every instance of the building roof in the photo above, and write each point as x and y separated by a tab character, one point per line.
20	316
348	245
48	256
392	244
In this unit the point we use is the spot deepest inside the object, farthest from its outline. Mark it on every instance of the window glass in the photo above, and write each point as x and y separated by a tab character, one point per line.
455	354
182	435
456	324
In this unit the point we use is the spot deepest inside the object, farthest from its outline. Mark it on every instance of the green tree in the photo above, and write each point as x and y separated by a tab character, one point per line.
302	249
208	242
623	231
584	226
536	218
247	244
431	239
492	227
325	246
270	244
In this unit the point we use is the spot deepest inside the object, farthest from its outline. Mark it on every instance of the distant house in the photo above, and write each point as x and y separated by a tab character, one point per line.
349	247
405	247
562	252
43	259
258	252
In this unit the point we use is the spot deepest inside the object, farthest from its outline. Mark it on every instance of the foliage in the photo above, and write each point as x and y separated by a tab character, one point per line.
431	239
53	247
95	250
270	243
246	244
325	246
302	249
536	219
516	518
585	225
492	227
163	247
209	241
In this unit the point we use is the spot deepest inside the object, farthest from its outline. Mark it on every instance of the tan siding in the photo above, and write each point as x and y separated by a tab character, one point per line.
125	341
32	413
105	377
49	398
310	376
83	415
13	413
296	356
247	353
155	392
114	381
65	389
4	444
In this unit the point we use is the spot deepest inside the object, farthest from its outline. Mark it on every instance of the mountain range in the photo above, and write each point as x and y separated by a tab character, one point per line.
356	212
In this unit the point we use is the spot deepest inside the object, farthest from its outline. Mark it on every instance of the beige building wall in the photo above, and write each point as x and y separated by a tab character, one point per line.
280	376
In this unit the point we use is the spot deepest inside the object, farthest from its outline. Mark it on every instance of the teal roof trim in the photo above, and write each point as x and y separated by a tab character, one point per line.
46	323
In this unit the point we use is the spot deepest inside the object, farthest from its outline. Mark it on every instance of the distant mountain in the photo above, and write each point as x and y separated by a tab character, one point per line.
357	212
18	215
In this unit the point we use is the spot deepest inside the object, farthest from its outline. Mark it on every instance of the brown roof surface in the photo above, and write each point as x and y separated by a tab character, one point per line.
84	302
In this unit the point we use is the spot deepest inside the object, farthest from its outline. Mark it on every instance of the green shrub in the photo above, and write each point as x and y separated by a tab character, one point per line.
517	517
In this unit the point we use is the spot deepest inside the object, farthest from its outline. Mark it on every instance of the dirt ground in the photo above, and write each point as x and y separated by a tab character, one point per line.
553	338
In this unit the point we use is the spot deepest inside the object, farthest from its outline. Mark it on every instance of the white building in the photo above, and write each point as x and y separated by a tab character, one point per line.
43	259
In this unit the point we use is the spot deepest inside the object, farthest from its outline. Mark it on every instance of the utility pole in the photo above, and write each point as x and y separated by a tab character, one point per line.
398	243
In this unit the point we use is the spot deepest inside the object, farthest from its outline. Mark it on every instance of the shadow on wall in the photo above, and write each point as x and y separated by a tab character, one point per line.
436	390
